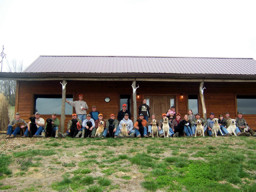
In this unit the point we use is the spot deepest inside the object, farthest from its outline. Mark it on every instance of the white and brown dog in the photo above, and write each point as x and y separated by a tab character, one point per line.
216	127
124	131
166	127
199	128
154	129
232	127
100	129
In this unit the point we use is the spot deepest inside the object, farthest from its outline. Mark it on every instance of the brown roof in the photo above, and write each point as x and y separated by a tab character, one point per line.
138	66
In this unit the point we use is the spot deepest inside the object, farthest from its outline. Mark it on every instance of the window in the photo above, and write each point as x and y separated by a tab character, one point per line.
48	104
172	102
193	103
125	99
147	101
246	104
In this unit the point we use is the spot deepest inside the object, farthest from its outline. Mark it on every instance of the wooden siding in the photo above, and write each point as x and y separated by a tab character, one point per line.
219	97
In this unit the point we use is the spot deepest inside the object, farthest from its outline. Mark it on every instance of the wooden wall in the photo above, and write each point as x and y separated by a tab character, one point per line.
219	97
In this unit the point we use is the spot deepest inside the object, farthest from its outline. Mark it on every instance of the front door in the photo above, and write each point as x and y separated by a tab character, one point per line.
160	104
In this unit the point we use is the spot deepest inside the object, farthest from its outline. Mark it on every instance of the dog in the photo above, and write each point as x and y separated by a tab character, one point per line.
100	129
49	128
111	128
33	127
141	128
124	131
74	128
166	127
199	128
154	129
232	127
216	127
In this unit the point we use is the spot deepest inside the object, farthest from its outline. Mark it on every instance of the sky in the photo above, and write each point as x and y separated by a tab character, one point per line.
176	28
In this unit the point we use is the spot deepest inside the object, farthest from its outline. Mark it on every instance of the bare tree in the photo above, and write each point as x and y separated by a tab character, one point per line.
8	87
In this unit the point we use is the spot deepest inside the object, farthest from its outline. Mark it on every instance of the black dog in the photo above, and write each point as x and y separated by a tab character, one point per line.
73	128
49	128
141	128
33	127
87	131
111	128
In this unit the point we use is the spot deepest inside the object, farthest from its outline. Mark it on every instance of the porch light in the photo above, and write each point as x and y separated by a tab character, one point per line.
138	96
181	96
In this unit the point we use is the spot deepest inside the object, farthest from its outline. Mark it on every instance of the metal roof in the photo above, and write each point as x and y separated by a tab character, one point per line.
143	65
138	67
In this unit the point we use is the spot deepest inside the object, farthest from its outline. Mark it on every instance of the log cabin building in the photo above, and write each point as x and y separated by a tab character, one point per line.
204	85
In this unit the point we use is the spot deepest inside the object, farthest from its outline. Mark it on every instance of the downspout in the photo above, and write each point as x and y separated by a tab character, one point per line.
201	92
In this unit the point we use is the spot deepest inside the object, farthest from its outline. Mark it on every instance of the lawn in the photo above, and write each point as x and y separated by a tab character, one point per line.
146	164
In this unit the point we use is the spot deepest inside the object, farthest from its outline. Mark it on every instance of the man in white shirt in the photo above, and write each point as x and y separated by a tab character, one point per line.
40	122
80	107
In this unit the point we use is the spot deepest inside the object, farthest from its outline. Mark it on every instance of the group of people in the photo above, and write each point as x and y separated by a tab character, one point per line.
85	124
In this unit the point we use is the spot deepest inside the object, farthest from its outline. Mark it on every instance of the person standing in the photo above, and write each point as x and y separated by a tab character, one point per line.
121	113
94	113
144	109
80	107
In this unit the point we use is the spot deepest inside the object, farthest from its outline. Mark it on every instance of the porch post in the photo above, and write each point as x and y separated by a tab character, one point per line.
201	93
134	88
62	124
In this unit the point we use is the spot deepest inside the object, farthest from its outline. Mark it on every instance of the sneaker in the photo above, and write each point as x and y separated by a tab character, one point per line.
146	136
132	135
8	136
115	136
161	135
12	136
150	135
139	136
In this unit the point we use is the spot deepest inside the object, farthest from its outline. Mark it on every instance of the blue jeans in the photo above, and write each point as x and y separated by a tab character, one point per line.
105	132
146	117
193	127
237	130
14	133
117	131
224	130
137	132
160	132
188	130
81	117
54	130
39	130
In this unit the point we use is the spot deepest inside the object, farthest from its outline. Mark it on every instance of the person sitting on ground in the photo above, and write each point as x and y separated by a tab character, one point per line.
198	117
97	123
144	109
210	123
121	113
40	123
160	131
172	110
129	125
15	126
187	126
94	113
111	126
223	124
80	107
72	131
228	121
177	126
243	126
87	127
171	132
56	124
141	127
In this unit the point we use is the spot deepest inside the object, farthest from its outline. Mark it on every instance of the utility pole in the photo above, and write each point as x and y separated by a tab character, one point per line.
2	56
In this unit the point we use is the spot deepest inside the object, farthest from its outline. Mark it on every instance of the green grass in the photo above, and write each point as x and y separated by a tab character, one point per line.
5	161
175	164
